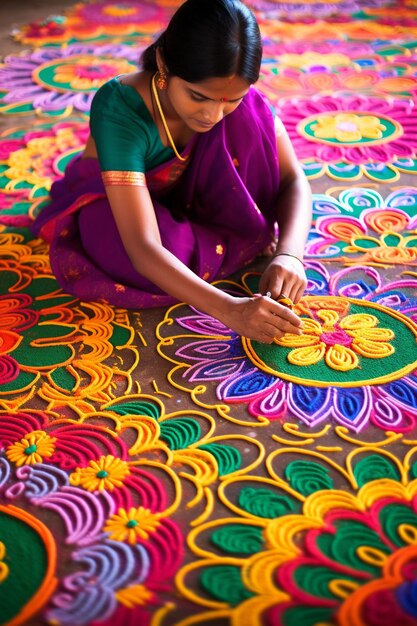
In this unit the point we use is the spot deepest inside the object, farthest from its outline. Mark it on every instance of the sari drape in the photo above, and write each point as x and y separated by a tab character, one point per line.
215	216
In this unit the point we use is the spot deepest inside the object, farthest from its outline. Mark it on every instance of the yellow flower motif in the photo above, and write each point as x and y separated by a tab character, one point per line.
348	127
132	524
133	596
338	341
31	449
390	248
106	473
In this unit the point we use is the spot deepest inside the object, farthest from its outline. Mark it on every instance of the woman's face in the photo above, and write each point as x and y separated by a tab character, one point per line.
202	105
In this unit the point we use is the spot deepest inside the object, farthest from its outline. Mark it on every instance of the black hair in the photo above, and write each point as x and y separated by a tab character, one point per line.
209	39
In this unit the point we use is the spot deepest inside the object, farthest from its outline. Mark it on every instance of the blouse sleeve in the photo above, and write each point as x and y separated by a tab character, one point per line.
120	136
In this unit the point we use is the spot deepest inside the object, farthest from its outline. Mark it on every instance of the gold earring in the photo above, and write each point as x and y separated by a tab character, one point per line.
161	79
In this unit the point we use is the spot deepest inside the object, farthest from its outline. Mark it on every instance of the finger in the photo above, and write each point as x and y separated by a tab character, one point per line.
276	332
287	322
290	290
266	337
276	289
284	301
283	290
299	293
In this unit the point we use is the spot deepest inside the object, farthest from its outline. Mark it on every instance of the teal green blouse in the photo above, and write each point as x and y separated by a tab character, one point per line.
126	137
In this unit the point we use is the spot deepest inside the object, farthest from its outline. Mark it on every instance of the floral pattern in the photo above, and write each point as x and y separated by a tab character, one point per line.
299	68
61	80
107	473
296	550
314	128
338	341
33	448
128	525
156	468
60	467
262	379
42	333
362	226
31	161
127	20
347	128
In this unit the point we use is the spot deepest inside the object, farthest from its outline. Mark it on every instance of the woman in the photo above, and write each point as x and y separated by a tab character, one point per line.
183	180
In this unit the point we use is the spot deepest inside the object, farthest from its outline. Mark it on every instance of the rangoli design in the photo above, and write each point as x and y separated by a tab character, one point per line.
155	468
353	363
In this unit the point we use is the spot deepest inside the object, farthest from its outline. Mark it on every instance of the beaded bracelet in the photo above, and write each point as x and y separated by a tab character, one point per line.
288	254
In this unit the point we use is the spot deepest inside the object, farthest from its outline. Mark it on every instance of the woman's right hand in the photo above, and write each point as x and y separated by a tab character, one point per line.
261	318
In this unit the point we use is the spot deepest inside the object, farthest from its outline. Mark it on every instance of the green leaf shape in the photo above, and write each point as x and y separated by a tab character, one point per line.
307	616
63	379
383	173
18	208
406	165
266	503
224	583
23	381
16	109
413	470
374	467
411	242
121	336
180	433
341	172
38	287
238	539
307	477
365	244
145	407
23	184
342	546
313	169
44	286
391	240
228	458
394	515
54	352
315	580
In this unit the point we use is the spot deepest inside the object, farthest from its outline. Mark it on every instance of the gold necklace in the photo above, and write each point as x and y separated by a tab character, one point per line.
164	122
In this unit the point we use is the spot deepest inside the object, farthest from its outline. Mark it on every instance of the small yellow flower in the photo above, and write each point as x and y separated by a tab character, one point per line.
338	341
133	596
106	473
31	449
129	525
348	127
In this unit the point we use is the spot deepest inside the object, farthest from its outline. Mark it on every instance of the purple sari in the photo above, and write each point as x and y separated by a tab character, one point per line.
215	216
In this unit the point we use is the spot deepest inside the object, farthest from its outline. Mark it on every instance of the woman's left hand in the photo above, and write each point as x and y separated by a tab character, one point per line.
284	277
